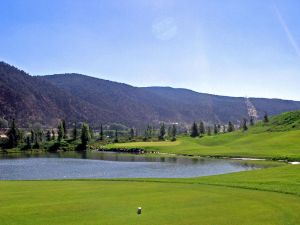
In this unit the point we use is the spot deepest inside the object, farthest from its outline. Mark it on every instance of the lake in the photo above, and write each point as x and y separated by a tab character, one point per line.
67	165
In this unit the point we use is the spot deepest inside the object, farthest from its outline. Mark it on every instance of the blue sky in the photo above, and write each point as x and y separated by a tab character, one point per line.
232	47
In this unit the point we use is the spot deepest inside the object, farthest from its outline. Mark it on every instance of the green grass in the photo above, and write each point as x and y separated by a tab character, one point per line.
271	145
278	139
254	197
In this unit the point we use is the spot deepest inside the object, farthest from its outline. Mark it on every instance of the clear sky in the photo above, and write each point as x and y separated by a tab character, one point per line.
226	47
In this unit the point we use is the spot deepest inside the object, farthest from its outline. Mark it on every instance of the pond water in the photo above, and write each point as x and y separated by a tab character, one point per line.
67	165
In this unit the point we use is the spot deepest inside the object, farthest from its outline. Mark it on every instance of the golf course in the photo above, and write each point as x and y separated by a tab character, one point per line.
263	196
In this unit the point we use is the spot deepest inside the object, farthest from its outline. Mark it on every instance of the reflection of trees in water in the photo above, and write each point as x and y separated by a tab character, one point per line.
172	159
195	161
162	159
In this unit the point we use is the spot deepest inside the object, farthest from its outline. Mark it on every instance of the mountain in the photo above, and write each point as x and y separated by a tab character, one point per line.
76	97
31	99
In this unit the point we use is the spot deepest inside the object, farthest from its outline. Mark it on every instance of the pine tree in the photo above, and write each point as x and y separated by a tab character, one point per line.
194	130
216	129
251	121
13	135
32	136
162	132
53	135
173	133
116	140
101	133
60	132
63	122
201	128
230	127
170	131
48	135
85	135
244	125
75	132
149	132
28	142
145	138
223	129
36	144
208	131
40	135
91	133
266	117
131	134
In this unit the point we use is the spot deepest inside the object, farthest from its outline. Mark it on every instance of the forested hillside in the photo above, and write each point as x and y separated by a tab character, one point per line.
75	97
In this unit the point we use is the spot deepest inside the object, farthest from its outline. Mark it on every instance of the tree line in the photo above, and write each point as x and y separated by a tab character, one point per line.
62	137
199	130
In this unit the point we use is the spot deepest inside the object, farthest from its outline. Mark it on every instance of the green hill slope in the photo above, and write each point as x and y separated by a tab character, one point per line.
284	122
278	139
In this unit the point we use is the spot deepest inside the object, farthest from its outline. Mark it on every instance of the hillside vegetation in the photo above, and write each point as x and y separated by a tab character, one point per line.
80	98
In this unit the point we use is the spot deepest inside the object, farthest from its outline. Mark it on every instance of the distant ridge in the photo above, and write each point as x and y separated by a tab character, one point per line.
76	97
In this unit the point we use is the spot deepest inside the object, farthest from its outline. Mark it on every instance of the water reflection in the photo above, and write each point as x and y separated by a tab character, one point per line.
95	164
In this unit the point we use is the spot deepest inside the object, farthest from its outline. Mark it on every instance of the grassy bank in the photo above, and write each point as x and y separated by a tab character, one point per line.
277	139
271	145
277	145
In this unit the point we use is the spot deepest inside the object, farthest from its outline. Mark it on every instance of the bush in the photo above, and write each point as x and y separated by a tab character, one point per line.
54	147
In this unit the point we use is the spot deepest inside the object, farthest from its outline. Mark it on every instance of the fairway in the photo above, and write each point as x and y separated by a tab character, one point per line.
271	145
207	200
278	139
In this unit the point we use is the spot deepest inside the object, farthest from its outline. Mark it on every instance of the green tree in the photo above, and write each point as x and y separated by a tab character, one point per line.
131	134
101	133
40	135
170	131
85	135
173	133
266	117
162	132
32	136
224	129
208	131
60	132
91	133
48	135
201	128
64	126
230	127
194	130
53	135
251	121
36	144
13	135
146	136
116	140
75	132
244	124
216	129
149	131
28	142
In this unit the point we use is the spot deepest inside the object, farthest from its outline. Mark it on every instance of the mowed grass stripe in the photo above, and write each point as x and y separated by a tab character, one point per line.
107	202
